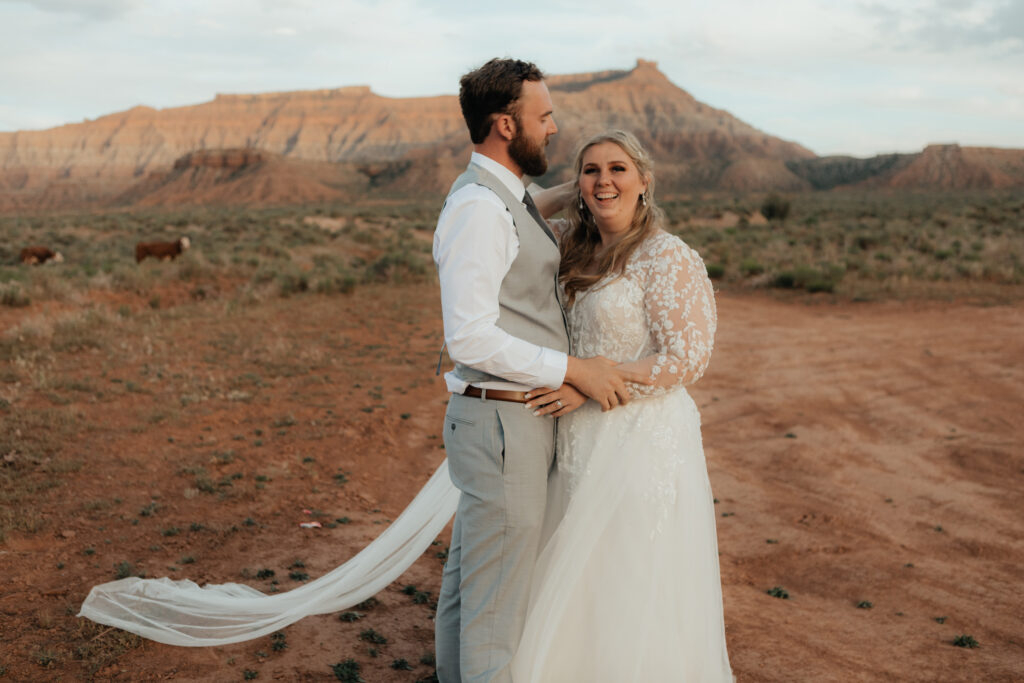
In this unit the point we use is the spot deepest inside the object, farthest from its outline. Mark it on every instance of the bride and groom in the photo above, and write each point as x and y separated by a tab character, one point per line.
599	564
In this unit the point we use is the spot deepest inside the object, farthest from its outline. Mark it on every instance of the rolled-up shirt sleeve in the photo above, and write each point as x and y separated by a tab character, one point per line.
474	247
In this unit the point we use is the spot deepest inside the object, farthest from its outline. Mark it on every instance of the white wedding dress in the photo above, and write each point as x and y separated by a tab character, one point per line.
627	588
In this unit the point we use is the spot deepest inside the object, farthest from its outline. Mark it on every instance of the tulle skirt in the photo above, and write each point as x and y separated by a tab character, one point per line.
627	588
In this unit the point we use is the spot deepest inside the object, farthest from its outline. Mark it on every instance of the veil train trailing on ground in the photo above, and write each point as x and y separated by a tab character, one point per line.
184	613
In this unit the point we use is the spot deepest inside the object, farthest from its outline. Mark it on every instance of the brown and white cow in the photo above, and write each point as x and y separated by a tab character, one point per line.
33	256
161	250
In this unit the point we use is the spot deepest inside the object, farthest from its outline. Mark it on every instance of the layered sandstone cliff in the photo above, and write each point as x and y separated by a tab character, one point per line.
326	144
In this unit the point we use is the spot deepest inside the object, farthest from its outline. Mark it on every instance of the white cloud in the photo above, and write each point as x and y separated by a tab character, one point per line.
87	9
835	75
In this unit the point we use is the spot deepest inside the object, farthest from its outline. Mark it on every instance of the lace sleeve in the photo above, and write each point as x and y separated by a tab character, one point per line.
680	304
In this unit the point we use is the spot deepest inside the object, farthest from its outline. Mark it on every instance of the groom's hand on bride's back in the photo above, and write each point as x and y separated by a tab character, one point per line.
603	380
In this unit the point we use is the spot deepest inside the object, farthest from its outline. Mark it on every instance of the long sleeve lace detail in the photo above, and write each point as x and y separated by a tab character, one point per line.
659	316
680	304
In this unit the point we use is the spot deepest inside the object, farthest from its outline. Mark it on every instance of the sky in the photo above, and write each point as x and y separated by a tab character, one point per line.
858	77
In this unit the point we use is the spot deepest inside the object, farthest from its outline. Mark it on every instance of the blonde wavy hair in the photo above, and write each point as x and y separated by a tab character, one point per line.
580	246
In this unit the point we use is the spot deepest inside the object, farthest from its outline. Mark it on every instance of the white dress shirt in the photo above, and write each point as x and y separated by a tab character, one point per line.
474	246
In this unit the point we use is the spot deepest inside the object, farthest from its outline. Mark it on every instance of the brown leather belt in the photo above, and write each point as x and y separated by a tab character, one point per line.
496	394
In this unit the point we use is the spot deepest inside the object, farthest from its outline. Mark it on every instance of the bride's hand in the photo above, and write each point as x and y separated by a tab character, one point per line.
555	402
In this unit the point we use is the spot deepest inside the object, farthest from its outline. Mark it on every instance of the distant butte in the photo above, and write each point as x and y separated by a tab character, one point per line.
320	145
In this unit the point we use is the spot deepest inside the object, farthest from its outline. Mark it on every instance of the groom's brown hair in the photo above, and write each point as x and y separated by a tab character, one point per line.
493	89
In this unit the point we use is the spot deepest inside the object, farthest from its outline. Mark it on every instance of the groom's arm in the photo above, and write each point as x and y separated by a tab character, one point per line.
474	246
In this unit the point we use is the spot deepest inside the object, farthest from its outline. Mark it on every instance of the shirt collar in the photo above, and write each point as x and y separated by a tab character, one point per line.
507	177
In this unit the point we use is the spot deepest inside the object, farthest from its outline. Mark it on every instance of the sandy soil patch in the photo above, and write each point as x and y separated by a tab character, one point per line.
860	453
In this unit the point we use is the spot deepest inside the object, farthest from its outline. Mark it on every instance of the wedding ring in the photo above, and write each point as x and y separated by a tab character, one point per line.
558	402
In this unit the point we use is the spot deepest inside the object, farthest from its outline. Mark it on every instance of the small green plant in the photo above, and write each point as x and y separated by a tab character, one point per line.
418	597
350	616
428	658
778	592
369	603
47	657
250	675
285	421
265	574
941	620
171	531
966	641
149	509
864	604
278	641
187	559
371	636
122	570
715	270
347	671
298	576
401	665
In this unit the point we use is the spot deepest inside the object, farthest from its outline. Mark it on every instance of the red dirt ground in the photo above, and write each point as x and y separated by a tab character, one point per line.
860	452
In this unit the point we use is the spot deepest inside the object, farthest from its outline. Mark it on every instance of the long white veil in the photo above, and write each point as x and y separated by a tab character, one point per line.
184	613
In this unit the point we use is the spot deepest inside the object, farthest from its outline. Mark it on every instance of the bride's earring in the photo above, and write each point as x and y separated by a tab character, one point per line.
580	202
643	199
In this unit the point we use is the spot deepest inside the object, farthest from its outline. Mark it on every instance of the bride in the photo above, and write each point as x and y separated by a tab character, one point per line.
627	587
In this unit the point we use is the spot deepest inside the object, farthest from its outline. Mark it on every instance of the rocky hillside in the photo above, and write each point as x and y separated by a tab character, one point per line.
938	167
328	144
389	145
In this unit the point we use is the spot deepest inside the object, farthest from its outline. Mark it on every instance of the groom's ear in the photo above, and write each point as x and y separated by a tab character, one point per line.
505	126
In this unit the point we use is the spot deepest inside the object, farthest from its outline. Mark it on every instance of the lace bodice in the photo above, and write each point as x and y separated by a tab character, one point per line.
660	315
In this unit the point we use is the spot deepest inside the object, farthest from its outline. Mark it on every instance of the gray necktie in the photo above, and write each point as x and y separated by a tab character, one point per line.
531	208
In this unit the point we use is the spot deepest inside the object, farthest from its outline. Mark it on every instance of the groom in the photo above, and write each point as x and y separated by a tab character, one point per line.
505	329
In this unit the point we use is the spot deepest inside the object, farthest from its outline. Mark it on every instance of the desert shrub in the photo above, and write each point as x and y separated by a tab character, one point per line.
715	270
396	266
80	331
775	207
751	266
134	278
808	278
12	294
291	282
340	282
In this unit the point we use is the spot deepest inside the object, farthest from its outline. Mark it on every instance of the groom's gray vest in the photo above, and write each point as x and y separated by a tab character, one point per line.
529	299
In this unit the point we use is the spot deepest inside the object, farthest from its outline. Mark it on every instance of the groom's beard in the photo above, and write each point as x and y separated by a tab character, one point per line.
528	156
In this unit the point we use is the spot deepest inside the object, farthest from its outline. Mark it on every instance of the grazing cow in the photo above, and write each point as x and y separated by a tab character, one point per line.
33	256
161	250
